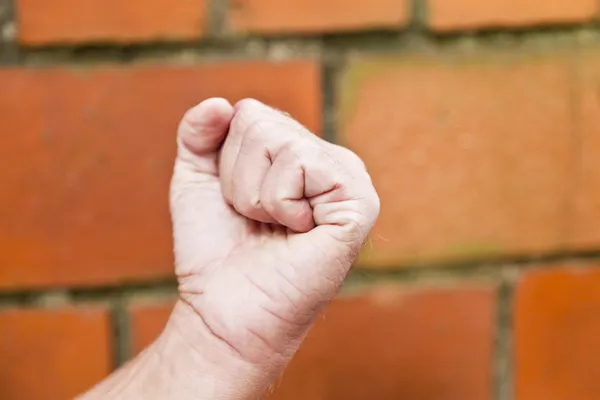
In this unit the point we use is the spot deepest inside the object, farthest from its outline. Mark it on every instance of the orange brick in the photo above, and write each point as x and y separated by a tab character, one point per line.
452	15
471	157
426	344
147	322
86	158
557	326
53	354
316	16
584	228
81	21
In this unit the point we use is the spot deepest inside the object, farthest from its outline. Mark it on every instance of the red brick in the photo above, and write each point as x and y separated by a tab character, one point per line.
584	228
81	21
557	326
316	16
87	155
426	344
452	15
53	354
147	322
471	157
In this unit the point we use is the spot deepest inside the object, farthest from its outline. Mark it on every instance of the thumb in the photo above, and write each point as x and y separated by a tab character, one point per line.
197	206
201	132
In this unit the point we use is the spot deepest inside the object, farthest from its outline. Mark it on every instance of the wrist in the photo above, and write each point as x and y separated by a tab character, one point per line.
202	365
185	362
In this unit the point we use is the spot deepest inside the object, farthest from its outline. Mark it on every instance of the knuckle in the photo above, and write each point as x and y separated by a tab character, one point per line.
272	201
269	202
245	104
245	204
296	152
246	120
253	132
246	208
293	149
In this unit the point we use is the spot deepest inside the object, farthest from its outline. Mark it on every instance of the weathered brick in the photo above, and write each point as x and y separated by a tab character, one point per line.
75	21
316	16
390	343
86	158
557	326
471	156
147	322
584	226
53	353
453	15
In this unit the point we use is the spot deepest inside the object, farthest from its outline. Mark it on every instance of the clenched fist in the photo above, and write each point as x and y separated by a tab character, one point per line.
267	219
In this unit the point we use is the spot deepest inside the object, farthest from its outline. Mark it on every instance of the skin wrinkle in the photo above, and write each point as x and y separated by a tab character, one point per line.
341	265
185	291
282	319
266	342
193	174
280	273
211	331
289	299
259	288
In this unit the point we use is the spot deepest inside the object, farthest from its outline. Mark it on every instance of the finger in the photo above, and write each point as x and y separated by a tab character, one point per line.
344	201
337	188
282	193
249	171
197	206
251	117
335	179
256	132
344	208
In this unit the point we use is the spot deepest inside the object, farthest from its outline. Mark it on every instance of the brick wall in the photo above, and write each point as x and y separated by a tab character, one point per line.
480	123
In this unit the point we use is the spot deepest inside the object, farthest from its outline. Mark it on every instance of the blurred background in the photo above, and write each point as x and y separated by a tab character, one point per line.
478	119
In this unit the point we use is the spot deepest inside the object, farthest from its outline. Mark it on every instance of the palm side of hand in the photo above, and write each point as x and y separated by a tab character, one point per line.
266	224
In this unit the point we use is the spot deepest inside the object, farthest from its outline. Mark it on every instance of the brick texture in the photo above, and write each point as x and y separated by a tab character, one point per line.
86	158
557	326
147	322
316	16
453	15
466	165
81	21
584	228
426	344
53	354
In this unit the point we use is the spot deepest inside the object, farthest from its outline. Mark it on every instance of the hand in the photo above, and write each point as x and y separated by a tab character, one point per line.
267	219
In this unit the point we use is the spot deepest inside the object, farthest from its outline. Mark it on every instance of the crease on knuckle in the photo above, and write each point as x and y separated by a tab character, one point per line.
246	205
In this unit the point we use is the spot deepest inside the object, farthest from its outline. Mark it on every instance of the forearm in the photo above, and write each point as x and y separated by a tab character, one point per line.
185	362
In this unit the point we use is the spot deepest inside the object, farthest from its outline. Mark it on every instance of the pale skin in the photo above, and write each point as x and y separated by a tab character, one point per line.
267	221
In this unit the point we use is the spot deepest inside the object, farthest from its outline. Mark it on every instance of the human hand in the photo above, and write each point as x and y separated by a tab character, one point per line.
267	219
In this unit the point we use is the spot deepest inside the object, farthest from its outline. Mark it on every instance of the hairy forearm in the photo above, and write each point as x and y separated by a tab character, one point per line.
185	362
